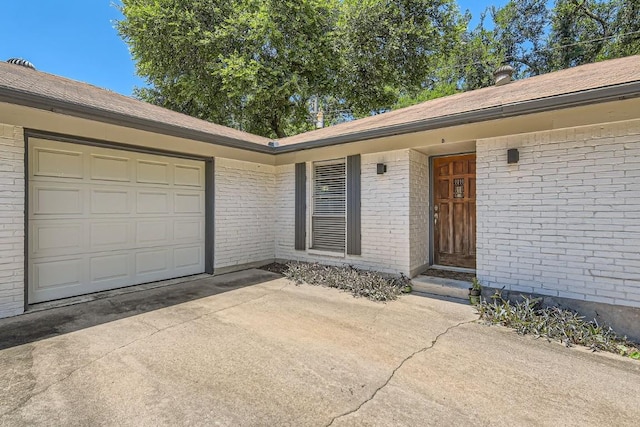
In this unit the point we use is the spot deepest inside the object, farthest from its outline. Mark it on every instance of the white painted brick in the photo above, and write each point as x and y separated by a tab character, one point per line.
244	212
575	195
562	222
386	214
572	295
11	221
418	209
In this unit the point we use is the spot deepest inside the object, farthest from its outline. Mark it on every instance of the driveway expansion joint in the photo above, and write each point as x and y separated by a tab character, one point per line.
397	368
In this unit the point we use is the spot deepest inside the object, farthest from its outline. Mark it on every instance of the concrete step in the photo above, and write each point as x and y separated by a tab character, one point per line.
440	286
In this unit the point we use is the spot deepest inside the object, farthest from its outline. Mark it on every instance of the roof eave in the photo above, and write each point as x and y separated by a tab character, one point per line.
25	99
576	99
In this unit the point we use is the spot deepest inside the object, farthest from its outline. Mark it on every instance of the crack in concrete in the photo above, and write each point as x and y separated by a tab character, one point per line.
66	377
29	374
157	330
397	368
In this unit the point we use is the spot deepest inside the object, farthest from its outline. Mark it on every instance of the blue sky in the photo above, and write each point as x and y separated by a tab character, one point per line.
77	39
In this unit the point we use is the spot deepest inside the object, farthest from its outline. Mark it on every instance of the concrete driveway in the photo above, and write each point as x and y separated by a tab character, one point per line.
218	352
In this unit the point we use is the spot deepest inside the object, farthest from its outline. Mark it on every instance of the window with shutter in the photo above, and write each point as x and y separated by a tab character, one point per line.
328	221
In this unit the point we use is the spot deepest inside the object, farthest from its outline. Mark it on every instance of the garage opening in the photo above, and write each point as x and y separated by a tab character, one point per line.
104	218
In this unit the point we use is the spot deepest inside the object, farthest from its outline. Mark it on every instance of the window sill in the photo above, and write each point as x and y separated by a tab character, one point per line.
326	253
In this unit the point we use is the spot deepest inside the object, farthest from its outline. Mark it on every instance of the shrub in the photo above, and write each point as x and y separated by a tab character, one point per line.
360	283
528	317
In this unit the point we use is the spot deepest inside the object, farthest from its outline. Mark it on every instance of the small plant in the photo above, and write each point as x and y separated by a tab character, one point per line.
475	291
360	283
528	317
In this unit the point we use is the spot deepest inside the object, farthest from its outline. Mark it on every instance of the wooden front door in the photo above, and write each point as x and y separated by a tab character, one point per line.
454	211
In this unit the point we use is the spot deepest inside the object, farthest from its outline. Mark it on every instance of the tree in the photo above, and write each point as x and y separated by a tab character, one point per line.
586	31
249	64
536	39
479	55
255	64
581	32
392	48
627	25
520	35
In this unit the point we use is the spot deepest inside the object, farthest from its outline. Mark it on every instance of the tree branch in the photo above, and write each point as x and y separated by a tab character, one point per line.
603	23
534	68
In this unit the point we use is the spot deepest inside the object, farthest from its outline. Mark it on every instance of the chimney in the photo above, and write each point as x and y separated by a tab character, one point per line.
320	120
503	75
21	62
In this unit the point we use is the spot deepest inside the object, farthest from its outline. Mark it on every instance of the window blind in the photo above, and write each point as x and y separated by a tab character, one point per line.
329	206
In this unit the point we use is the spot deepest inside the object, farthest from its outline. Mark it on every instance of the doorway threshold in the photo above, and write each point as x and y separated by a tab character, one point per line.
442	287
451	268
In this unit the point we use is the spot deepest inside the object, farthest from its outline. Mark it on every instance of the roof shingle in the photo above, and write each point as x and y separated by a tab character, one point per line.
577	79
29	82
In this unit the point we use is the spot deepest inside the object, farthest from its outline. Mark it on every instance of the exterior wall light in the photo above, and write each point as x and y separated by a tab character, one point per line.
382	168
513	156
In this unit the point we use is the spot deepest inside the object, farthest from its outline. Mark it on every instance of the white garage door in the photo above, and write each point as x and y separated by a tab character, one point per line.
103	218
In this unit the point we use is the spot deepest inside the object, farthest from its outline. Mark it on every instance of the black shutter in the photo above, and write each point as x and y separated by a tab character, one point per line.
301	206
209	214
353	205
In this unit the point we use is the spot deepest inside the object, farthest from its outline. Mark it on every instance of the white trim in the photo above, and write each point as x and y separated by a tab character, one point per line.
326	253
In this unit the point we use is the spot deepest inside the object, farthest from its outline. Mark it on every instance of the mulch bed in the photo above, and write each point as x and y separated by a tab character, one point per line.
275	267
280	268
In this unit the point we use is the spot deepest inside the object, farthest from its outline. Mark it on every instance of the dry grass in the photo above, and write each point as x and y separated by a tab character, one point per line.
527	317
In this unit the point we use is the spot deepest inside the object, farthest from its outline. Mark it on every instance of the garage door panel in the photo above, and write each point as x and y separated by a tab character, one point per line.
58	163
152	233
57	274
55	237
153	202
110	268
110	168
155	261
56	200
105	235
189	203
188	230
187	257
152	172
102	218
104	201
188	176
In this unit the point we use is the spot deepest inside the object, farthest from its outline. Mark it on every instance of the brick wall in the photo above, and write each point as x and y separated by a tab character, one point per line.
11	221
244	213
565	220
419	211
385	215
